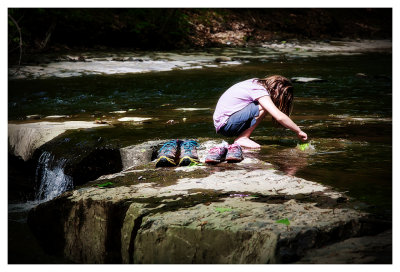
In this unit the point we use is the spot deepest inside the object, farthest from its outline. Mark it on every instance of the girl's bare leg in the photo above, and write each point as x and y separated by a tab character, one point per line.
244	138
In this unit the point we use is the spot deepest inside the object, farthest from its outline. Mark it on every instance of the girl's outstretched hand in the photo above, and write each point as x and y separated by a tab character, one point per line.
302	136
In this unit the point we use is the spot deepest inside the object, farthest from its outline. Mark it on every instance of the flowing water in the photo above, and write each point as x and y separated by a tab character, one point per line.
51	179
348	116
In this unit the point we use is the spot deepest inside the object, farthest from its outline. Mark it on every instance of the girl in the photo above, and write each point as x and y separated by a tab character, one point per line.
244	105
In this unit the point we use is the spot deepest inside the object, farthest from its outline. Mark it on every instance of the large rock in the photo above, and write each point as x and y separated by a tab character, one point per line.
72	159
201	214
136	155
60	162
25	138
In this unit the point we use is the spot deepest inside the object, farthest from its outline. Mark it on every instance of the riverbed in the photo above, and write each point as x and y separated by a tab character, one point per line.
347	113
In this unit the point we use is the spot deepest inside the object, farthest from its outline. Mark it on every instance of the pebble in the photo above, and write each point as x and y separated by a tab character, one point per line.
221	59
100	122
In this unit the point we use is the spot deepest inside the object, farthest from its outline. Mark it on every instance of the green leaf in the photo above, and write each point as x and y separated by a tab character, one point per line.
222	209
283	42
107	184
304	146
195	164
283	221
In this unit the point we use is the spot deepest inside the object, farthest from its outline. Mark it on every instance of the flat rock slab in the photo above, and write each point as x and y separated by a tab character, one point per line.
227	213
25	138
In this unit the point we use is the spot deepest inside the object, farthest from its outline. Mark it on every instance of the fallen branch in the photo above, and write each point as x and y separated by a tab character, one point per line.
20	38
48	35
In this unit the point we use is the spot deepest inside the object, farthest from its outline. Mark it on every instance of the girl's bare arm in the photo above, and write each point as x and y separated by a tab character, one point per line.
283	119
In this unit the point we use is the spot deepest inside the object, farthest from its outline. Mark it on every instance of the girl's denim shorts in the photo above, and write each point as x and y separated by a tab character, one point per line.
240	120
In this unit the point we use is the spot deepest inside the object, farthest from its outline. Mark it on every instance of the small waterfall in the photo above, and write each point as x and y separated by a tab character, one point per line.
51	178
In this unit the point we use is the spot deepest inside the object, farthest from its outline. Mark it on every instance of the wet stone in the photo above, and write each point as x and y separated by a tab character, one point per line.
306	79
221	59
163	215
33	117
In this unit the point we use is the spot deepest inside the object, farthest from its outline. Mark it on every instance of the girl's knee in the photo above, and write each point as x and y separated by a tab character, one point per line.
261	113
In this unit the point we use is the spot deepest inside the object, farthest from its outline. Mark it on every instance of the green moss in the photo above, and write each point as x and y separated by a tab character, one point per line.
107	184
223	209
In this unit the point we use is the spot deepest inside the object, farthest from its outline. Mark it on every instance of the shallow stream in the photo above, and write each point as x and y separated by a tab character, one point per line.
348	116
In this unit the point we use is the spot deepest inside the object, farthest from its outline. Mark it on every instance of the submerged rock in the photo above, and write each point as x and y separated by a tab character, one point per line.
33	117
133	119
306	79
56	116
221	59
361	75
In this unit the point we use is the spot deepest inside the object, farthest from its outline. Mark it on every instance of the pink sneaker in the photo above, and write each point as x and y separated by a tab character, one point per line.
216	154
234	153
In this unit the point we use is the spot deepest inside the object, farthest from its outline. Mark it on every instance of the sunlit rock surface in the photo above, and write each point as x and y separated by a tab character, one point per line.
226	213
133	119
25	138
134	62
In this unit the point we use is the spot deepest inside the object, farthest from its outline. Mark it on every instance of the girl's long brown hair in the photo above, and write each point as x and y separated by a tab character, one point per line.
281	92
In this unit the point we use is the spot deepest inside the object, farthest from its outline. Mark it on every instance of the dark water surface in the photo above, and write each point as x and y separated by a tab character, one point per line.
347	117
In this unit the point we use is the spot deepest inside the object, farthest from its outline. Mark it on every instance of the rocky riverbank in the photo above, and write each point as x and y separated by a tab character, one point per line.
229	213
86	62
